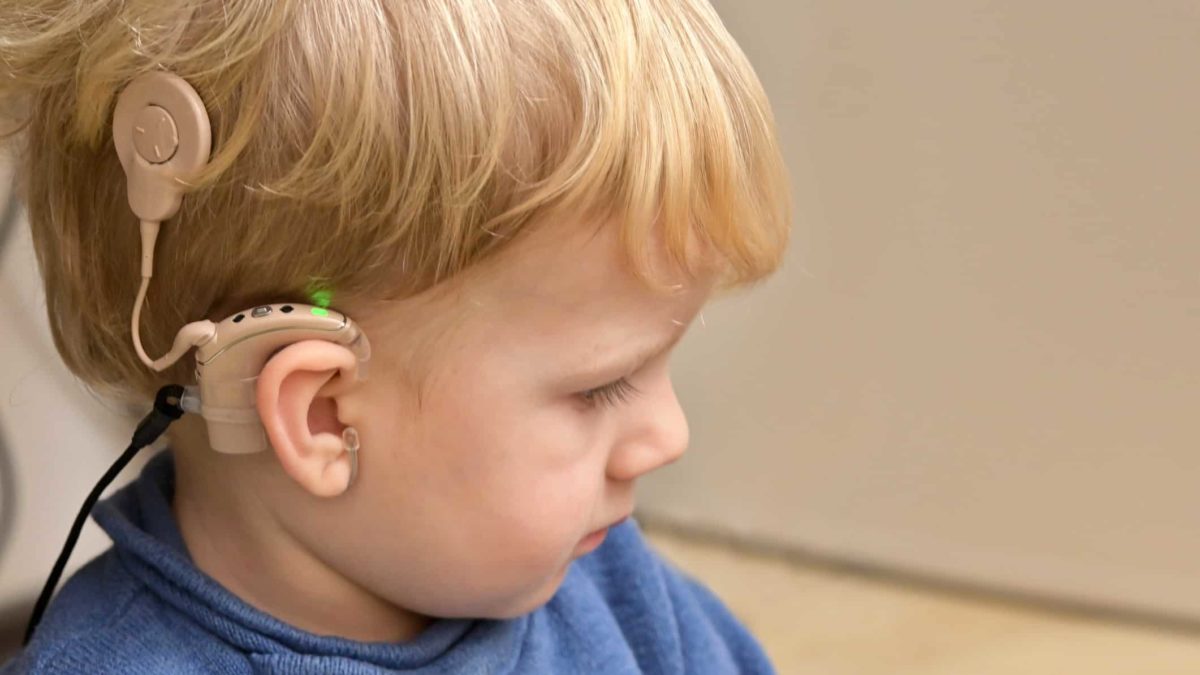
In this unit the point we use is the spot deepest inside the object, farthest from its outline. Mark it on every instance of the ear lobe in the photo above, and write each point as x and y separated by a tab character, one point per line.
297	396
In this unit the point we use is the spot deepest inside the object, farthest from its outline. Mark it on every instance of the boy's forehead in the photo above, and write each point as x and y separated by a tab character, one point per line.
572	261
568	295
567	290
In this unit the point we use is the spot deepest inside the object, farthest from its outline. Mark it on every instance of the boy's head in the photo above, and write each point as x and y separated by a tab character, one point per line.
518	202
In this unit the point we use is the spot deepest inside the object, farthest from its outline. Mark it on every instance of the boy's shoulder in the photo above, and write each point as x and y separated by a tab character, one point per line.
103	621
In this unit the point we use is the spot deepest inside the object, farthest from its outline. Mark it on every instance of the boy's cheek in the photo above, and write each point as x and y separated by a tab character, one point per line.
499	572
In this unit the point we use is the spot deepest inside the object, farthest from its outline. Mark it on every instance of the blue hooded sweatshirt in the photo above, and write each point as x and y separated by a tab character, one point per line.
142	606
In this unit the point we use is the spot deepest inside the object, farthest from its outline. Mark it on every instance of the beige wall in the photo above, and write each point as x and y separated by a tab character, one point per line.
980	360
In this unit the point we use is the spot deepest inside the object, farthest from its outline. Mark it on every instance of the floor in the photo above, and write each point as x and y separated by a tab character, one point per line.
833	622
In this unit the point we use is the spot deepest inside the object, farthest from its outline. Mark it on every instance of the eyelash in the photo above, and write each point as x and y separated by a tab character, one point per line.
611	394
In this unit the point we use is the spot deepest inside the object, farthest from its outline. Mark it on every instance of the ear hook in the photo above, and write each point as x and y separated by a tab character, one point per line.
161	131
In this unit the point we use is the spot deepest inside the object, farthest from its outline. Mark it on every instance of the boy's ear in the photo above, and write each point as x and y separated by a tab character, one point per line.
298	396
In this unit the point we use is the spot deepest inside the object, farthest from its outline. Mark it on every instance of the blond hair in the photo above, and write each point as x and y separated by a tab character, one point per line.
376	148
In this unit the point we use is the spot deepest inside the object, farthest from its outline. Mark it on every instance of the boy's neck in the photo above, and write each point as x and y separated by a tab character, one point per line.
234	538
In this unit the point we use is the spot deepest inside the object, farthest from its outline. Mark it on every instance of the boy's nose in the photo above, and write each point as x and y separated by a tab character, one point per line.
660	437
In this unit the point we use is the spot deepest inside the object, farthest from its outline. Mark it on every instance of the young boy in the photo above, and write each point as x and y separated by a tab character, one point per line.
523	205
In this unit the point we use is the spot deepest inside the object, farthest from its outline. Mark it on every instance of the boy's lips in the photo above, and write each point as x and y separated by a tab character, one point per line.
594	539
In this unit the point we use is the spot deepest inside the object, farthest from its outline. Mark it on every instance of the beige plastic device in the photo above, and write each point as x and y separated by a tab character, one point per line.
161	132
227	367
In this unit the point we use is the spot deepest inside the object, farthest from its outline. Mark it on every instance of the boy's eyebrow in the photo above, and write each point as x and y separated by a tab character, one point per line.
627	363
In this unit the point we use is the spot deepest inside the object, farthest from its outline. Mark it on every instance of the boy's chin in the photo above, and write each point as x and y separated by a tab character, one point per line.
531	601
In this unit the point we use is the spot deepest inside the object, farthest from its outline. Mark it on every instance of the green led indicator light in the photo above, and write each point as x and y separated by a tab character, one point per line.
320	311
322	298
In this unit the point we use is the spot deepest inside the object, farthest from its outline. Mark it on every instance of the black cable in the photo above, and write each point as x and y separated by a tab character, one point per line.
166	410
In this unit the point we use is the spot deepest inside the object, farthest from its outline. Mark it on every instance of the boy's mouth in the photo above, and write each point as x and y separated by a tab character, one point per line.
594	539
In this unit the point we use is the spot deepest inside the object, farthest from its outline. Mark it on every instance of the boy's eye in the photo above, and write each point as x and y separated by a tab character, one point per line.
610	394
